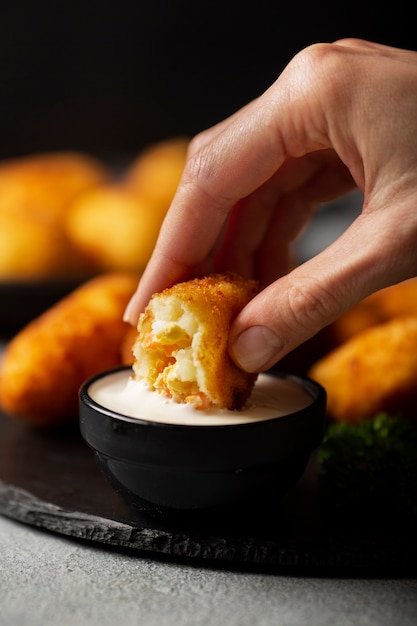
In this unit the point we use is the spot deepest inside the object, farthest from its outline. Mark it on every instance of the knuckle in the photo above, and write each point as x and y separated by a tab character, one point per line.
200	167
312	305
197	142
322	63
204	176
197	167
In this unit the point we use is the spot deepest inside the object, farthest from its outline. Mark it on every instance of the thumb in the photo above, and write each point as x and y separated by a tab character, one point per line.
280	318
298	305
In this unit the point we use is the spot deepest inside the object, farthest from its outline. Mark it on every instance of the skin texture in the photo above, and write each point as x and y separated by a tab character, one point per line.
340	116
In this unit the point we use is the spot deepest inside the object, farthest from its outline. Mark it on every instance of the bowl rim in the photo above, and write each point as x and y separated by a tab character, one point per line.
146	442
309	385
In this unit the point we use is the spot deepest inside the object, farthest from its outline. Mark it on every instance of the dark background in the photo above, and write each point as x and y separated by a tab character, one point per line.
110	78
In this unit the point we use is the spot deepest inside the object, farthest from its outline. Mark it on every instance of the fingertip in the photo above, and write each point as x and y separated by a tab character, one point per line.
256	349
131	313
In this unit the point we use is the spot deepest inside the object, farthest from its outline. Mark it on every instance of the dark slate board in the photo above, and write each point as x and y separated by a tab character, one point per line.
51	480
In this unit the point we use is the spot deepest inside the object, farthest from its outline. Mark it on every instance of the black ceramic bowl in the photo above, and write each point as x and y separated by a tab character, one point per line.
202	466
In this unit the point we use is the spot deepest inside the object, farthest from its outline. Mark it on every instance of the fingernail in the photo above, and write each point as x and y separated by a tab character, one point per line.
130	315
255	347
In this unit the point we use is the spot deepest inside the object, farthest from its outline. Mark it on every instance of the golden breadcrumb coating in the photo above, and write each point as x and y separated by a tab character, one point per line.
114	226
376	370
45	183
32	248
35	193
385	304
46	362
398	300
126	348
181	349
155	173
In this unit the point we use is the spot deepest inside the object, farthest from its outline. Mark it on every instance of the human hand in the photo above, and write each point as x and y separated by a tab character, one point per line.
339	116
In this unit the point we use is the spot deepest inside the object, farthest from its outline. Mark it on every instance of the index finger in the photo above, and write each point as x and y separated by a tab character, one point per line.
288	120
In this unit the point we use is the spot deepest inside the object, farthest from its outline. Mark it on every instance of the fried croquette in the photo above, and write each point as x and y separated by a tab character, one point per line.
128	342
399	299
35	192
114	227
375	370
45	183
32	248
156	171
44	365
181	349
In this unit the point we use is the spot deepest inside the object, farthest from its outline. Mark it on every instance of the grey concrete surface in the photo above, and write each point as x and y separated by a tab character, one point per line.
47	579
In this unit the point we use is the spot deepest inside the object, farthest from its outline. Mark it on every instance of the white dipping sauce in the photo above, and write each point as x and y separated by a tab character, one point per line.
272	397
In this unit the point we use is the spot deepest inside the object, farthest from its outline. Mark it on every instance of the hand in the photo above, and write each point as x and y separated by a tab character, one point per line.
340	116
